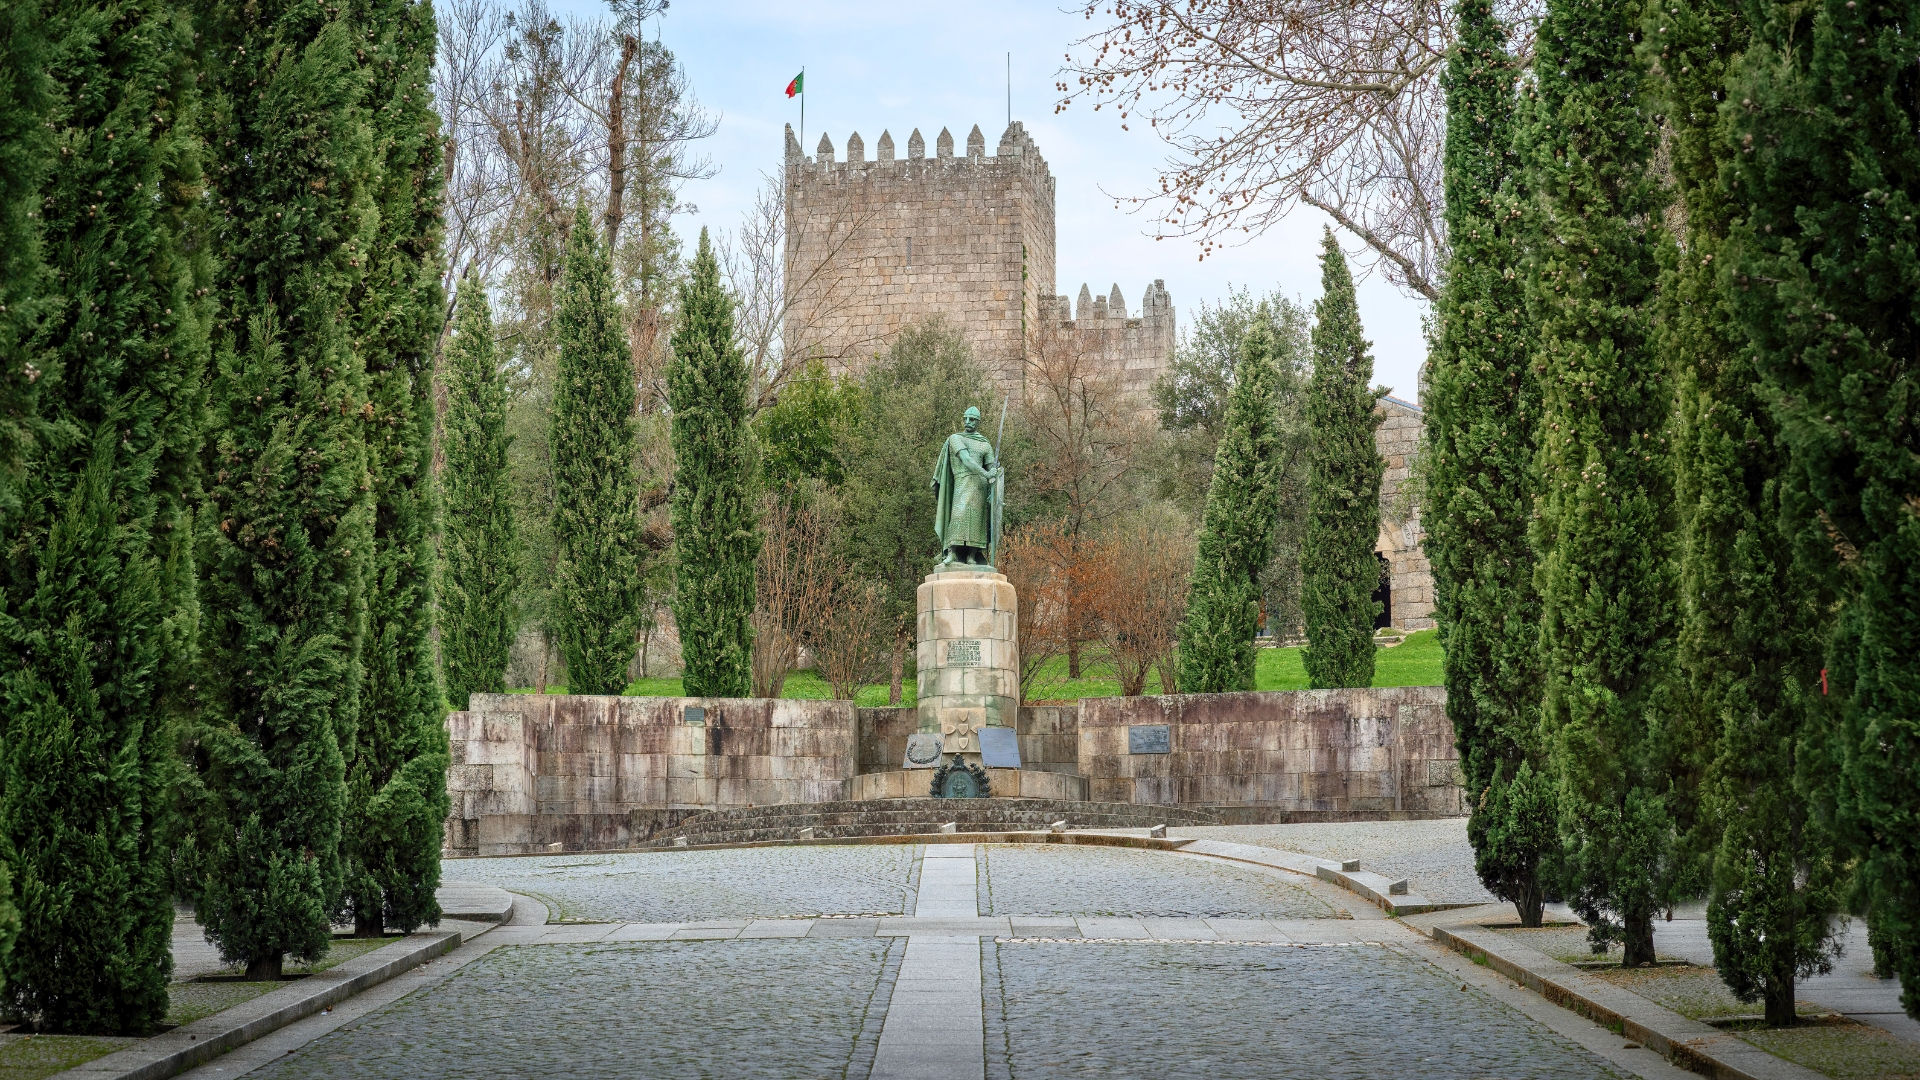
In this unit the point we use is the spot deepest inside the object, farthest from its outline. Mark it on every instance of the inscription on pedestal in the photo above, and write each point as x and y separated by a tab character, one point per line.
963	652
999	748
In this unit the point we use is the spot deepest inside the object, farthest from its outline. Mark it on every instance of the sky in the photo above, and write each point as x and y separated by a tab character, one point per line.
905	64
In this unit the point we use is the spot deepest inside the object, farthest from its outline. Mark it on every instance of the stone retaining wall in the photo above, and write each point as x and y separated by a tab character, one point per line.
1364	751
602	772
595	772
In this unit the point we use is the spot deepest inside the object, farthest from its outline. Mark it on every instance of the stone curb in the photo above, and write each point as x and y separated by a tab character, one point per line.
473	902
185	1047
1374	888
1038	836
1689	1044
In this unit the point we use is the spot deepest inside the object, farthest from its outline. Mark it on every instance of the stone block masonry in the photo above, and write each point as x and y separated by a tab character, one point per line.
1410	596
875	246
1353	752
607	772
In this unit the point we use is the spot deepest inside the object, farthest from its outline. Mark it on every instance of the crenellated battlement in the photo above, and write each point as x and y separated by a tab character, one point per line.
1016	150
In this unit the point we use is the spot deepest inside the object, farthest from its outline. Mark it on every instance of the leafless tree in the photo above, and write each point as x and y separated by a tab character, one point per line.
784	274
851	641
794	586
1040	561
1267	105
1087	433
1136	592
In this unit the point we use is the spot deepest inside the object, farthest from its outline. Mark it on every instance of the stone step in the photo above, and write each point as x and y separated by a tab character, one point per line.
903	817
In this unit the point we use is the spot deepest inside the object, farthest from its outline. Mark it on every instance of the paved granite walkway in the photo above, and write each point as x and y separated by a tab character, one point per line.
931	962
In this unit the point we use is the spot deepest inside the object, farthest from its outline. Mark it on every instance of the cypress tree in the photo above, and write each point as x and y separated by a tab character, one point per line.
1236	534
96	627
715	538
1605	574
1822	271
397	761
1751	610
1339	570
482	549
596	495
1482	405
287	520
26	105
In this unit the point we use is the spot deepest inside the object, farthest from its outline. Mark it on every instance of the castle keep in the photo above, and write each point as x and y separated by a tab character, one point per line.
873	246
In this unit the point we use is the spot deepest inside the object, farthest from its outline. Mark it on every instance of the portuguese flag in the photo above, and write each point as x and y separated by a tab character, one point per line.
798	85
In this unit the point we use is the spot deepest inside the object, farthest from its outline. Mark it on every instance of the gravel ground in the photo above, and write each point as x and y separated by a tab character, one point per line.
1168	1012
761	1009
1049	880
685	886
1434	854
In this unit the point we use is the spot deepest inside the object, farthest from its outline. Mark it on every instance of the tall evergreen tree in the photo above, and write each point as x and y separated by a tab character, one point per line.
287	521
1823	265
1605	573
1236	534
715	535
1339	569
1482	406
95	627
482	548
596	496
26	105
397	760
1751	612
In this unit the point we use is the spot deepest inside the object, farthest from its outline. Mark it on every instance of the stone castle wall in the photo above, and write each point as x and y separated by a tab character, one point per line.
876	245
1398	440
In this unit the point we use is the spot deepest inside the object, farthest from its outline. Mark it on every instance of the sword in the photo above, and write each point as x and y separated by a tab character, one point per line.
999	487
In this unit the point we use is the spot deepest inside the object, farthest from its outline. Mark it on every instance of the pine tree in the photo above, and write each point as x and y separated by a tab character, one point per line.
1339	569
27	96
1482	405
93	622
287	520
482	555
1605	574
596	495
715	537
397	761
1822	271
1236	534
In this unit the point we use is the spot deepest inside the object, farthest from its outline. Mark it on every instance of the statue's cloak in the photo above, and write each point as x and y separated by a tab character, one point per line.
963	509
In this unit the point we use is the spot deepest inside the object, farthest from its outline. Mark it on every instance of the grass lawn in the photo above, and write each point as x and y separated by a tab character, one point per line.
1415	662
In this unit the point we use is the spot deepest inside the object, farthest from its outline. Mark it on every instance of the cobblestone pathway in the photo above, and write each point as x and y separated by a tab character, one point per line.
1021	963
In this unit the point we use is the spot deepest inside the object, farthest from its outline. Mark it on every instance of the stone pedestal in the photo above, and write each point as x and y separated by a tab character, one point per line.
968	657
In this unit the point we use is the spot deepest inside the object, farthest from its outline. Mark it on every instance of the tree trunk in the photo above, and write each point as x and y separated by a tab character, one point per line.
1780	1000
646	640
1637	945
546	650
265	968
1531	905
617	142
368	923
899	665
1073	659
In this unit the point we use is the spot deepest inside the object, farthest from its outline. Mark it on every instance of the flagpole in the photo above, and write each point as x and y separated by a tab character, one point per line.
803	108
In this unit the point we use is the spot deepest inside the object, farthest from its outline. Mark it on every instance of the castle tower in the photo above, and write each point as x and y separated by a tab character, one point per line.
875	245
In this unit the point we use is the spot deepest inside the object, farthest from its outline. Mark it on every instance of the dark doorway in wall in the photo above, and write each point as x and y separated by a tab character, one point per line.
1383	594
